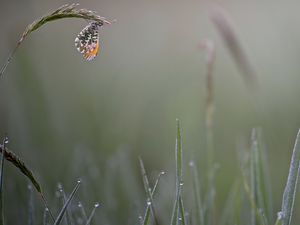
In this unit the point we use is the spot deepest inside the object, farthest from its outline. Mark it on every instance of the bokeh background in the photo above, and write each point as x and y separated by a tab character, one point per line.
69	118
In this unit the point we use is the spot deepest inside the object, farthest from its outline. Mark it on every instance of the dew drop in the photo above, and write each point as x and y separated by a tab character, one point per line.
149	190
6	141
97	204
57	194
191	163
29	187
46	209
279	215
148	201
79	204
254	143
59	186
79	180
140	216
162	172
180	218
181	182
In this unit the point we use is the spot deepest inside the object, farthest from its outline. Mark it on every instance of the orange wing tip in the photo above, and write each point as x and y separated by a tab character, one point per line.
91	55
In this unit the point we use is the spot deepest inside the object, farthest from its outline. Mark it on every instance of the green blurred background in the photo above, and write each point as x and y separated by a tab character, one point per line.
69	118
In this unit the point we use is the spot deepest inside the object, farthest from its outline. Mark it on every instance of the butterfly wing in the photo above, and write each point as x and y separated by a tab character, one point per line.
87	41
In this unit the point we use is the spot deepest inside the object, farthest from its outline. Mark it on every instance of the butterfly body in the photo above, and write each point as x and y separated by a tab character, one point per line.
87	41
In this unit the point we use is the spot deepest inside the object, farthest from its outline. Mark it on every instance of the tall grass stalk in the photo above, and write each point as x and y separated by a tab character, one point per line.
178	176
209	106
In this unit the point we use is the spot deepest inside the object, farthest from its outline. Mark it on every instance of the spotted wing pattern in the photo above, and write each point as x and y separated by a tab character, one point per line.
87	41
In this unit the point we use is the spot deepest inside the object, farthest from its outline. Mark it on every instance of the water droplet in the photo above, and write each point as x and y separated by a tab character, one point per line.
79	180
46	209
181	182
150	190
97	204
162	172
279	215
254	143
57	194
59	186
140	216
148	201
29	186
180	218
6	141
191	163
79	204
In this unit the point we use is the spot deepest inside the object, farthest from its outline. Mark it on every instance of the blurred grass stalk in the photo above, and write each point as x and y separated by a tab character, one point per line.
225	28
209	106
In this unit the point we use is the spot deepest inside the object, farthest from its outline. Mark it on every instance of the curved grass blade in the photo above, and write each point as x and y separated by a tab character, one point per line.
226	31
291	185
147	213
150	200
64	11
178	181
31	207
62	212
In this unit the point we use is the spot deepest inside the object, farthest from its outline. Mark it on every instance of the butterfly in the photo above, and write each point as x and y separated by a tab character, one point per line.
87	41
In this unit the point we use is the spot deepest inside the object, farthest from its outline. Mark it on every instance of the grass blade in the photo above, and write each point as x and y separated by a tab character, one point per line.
83	211
279	218
251	199
291	185
178	181
31	207
264	177
147	213
254	177
150	200
209	198
196	188
62	212
230	213
5	141
91	216
64	199
182	218
45	216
